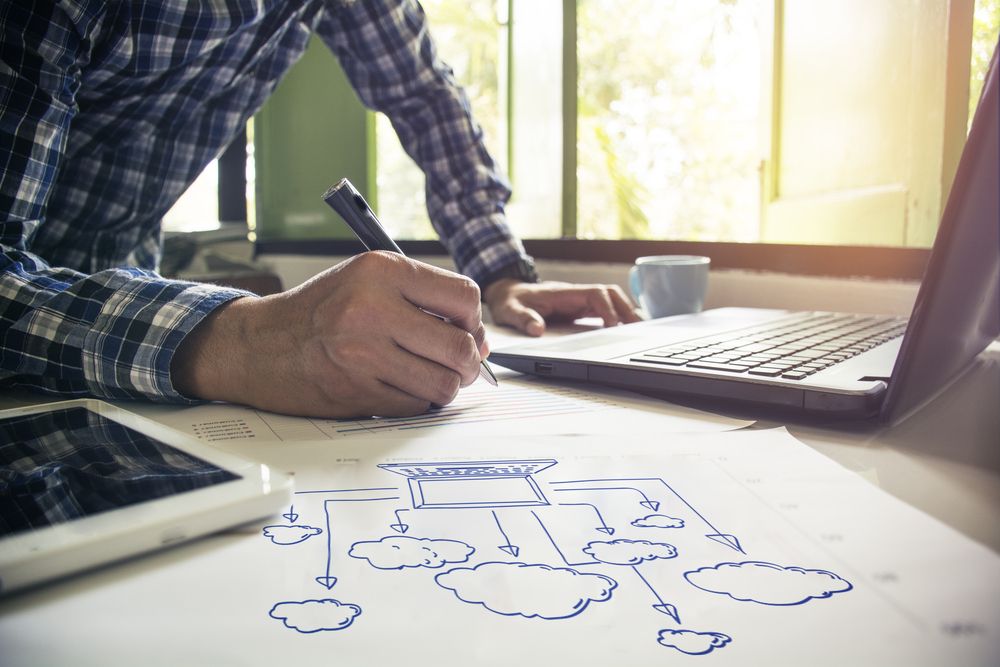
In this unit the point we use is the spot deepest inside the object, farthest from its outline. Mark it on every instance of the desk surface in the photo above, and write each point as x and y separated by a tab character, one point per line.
944	460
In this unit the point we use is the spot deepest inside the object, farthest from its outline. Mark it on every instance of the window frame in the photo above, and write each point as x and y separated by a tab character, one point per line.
877	262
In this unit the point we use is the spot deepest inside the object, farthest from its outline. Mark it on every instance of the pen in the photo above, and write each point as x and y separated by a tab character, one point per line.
352	207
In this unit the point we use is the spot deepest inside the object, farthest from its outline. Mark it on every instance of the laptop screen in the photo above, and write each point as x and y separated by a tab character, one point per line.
957	311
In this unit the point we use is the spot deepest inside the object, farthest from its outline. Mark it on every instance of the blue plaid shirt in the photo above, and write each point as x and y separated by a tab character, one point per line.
110	109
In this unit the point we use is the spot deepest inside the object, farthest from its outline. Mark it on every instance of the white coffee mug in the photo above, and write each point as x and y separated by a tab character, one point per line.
667	285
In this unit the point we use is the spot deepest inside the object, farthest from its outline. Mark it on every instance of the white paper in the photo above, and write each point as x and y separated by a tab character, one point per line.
519	407
737	548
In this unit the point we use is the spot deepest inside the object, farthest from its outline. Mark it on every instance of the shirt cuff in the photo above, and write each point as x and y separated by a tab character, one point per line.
485	246
128	351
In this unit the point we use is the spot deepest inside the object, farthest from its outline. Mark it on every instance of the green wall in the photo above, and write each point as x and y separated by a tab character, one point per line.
312	132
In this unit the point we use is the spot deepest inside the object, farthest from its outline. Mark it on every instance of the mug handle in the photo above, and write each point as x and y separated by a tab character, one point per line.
633	283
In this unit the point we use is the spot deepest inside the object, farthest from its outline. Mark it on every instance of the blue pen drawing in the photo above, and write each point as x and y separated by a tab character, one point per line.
716	535
288	535
328	491
604	527
658	521
327	580
396	552
496	498
632	553
661	605
555	545
767	583
629	552
309	616
471	484
645	502
528	590
507	547
399	526
691	642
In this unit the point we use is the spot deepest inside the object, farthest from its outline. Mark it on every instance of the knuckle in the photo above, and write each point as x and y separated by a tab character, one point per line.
467	290
463	350
375	261
354	309
446	388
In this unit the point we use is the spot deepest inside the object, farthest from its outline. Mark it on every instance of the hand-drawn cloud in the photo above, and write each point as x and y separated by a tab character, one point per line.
532	591
691	642
290	534
767	583
658	521
396	552
628	552
310	616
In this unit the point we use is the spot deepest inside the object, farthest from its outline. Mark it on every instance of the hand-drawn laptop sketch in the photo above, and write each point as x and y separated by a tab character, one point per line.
836	364
457	484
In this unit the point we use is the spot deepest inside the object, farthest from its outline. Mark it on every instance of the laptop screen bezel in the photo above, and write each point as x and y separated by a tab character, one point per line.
947	327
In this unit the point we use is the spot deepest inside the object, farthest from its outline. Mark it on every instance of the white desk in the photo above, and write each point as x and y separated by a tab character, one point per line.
945	460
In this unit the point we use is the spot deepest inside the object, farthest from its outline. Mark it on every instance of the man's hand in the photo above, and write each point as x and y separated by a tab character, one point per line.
353	341
528	306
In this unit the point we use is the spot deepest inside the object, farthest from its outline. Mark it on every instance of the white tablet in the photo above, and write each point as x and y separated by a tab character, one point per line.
84	483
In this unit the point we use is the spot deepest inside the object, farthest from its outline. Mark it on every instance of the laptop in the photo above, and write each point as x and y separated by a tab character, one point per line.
839	365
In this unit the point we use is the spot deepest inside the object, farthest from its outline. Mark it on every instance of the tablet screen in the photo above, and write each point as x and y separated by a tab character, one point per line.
68	464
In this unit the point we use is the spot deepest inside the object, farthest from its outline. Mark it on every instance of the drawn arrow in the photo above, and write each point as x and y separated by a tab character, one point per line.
660	606
291	515
716	535
326	580
604	527
645	502
399	526
507	546
556	546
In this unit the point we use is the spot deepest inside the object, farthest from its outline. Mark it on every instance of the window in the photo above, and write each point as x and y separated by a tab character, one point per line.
223	192
723	120
198	208
667	126
668	115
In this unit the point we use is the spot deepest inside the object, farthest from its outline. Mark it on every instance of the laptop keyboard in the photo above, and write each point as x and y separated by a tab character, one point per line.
790	349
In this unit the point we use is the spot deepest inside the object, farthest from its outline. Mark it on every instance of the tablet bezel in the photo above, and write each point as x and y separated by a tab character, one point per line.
35	556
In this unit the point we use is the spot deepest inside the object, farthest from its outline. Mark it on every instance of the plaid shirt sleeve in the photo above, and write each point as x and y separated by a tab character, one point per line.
111	333
390	59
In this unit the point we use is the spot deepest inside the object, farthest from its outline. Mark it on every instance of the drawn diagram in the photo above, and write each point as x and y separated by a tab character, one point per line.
495	541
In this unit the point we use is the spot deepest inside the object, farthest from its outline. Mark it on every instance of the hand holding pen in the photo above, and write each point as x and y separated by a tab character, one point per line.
352	207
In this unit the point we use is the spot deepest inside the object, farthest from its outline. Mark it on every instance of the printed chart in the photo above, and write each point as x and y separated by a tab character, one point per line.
519	406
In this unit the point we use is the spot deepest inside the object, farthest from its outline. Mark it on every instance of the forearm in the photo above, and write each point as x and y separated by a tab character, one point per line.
212	362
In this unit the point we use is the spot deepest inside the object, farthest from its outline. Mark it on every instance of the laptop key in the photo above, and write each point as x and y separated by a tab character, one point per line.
714	366
666	361
765	371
